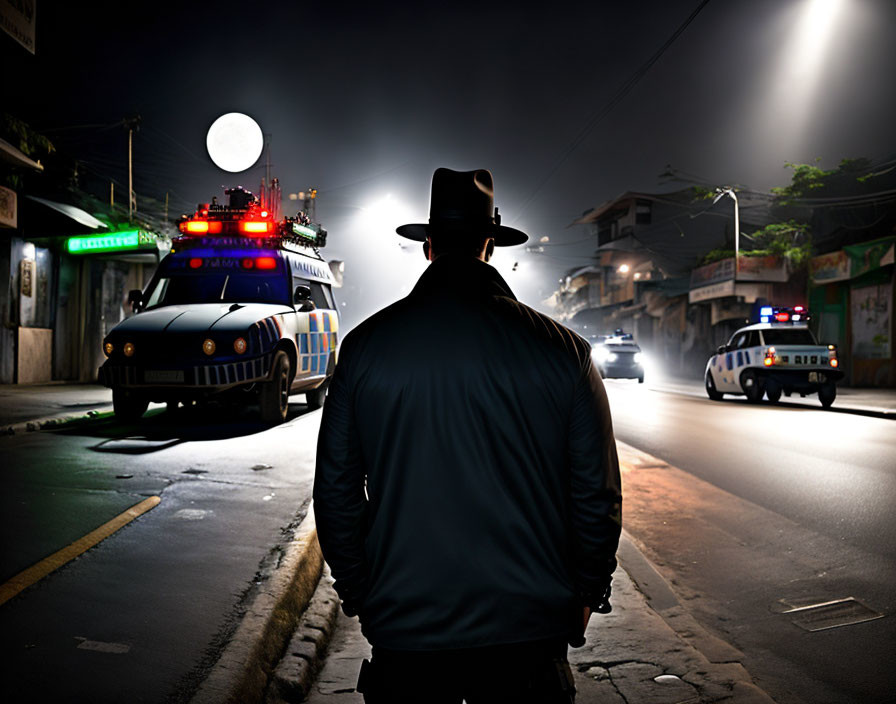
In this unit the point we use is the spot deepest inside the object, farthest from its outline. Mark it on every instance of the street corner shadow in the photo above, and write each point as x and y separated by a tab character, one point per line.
161	429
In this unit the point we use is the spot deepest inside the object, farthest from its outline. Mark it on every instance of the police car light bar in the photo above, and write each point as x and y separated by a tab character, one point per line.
770	314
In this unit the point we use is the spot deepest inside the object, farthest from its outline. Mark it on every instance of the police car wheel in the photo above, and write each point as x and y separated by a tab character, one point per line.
752	385
711	389
827	394
773	393
274	399
127	406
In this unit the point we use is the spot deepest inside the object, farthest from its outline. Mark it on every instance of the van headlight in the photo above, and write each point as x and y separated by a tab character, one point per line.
601	354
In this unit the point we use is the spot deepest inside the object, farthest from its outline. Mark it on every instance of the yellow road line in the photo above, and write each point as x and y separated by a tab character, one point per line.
37	572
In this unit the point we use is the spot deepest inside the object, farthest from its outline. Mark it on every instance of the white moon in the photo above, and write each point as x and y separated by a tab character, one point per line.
234	142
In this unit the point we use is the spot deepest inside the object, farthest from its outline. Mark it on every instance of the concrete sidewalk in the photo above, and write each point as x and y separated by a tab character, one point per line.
648	650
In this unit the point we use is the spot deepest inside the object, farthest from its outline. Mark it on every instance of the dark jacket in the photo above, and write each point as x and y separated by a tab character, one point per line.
483	434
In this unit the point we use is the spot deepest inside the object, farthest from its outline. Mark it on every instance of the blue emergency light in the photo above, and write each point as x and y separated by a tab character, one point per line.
770	314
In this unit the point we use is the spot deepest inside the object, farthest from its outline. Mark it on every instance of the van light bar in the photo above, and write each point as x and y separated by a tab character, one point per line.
201	227
256	227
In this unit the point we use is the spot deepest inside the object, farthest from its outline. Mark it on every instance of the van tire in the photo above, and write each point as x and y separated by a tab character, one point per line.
752	386
711	391
274	397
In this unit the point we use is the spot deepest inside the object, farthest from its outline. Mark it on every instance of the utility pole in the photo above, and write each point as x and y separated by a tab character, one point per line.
730	193
133	124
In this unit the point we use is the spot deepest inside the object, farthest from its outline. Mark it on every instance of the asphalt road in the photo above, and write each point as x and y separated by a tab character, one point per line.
774	508
763	510
140	617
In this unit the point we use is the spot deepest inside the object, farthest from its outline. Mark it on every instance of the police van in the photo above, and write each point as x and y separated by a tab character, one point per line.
778	355
242	310
618	356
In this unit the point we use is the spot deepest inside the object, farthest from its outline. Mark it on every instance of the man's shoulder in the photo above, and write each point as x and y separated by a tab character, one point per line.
544	327
383	318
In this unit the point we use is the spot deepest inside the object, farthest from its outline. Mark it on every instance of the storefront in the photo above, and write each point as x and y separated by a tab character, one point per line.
68	278
851	295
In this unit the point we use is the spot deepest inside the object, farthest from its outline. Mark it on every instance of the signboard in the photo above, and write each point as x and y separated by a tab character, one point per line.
748	291
713	273
868	256
767	268
827	268
706	293
18	18
871	321
113	242
8	210
26	277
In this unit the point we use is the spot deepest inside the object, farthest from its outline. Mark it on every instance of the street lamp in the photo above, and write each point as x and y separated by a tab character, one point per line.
720	192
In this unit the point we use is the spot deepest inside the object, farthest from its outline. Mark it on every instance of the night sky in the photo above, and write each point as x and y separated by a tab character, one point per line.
364	101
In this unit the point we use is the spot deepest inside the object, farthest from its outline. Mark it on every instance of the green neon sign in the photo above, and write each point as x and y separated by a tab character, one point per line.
113	242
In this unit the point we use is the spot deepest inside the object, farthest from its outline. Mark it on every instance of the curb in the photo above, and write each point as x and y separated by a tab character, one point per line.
242	672
294	676
869	411
53	422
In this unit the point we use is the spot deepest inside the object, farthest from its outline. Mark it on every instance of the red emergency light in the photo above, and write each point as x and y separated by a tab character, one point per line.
256	227
201	227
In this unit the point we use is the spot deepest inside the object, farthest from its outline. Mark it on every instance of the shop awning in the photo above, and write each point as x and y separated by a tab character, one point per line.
70	211
11	155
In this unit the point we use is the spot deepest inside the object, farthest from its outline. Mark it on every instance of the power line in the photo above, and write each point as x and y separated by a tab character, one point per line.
623	91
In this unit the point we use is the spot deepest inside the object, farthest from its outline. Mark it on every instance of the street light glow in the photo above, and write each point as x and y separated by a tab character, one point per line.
623	269
813	35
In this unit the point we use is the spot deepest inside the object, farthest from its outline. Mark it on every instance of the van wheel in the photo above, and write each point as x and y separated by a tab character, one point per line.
773	393
753	386
127	405
827	394
711	391
274	398
316	397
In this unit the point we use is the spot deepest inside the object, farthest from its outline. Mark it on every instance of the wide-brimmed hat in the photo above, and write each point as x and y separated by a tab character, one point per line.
463	202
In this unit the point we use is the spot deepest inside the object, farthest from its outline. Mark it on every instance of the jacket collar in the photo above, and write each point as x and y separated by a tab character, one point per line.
461	276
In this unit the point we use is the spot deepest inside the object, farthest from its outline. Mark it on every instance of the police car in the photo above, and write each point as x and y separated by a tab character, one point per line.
618	356
777	355
241	310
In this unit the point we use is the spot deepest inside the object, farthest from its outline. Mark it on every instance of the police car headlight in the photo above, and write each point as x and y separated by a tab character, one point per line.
639	358
600	353
208	347
108	348
128	349
239	345
611	356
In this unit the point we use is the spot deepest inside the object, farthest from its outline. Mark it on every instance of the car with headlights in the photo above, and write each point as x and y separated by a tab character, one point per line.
618	356
778	355
242	310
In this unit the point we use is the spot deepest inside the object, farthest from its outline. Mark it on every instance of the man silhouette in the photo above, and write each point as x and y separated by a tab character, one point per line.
467	489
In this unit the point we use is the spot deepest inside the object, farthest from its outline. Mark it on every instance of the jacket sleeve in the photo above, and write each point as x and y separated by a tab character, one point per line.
595	488
340	500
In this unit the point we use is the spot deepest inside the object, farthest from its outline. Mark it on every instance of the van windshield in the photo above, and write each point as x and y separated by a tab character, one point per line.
179	288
